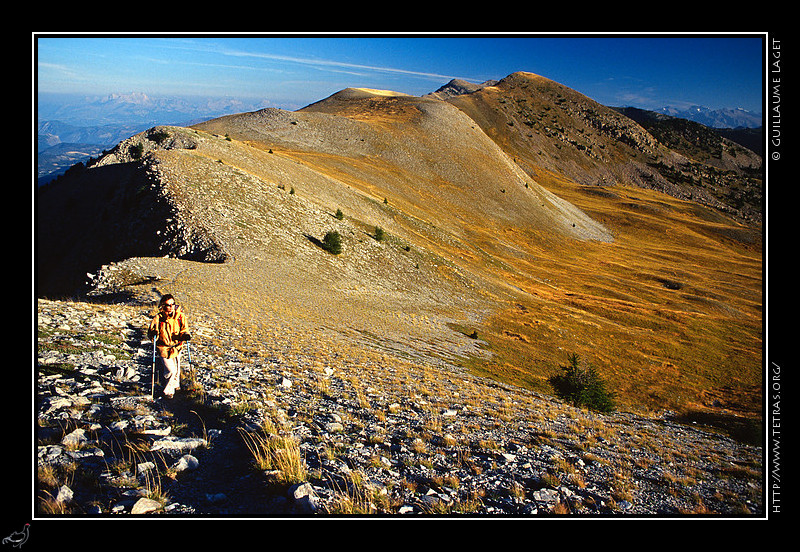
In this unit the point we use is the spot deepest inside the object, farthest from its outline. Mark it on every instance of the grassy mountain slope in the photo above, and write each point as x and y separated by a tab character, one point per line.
547	126
672	309
489	227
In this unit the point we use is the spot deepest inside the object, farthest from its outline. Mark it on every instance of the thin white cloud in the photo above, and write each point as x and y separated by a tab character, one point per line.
335	65
322	64
57	68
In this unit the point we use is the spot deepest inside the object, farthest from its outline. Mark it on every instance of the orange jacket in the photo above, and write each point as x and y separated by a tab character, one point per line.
171	331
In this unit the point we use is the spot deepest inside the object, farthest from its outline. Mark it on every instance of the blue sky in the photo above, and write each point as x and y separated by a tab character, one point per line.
290	72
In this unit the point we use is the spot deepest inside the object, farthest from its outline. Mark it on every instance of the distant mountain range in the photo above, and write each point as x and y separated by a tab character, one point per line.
72	129
135	108
671	130
716	118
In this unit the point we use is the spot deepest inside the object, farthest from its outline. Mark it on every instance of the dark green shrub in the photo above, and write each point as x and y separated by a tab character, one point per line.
332	242
136	151
159	136
339	214
379	234
581	385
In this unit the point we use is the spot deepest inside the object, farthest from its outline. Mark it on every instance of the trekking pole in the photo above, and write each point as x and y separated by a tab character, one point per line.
189	360
153	373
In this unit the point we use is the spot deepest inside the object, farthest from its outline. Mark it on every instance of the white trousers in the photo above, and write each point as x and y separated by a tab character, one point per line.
171	372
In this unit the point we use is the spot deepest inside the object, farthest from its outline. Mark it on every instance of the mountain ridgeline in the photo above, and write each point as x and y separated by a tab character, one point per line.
493	227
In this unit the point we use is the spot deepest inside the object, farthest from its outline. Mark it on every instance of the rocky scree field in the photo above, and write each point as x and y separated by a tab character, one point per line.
350	432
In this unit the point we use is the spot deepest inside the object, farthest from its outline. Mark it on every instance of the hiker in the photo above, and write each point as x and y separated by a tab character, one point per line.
170	331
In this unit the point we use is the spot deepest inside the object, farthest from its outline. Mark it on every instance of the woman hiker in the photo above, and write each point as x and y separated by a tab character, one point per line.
170	331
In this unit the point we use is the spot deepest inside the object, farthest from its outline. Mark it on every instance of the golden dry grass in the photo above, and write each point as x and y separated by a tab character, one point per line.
670	312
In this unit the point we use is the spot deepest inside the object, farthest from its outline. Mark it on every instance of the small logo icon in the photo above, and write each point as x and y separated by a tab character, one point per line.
18	538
